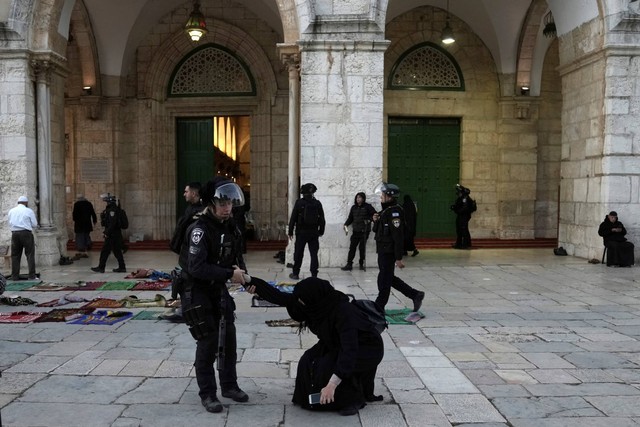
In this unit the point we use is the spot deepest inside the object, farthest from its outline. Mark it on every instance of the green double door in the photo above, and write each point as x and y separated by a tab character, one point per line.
194	155
424	161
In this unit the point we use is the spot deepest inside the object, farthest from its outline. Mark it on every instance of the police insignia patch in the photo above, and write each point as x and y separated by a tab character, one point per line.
112	213
196	235
396	222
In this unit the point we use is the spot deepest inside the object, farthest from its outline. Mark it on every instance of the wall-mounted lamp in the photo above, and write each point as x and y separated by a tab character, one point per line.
524	90
87	90
196	27
447	32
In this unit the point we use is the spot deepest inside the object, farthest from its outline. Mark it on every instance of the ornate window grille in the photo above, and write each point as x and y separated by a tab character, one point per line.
211	70
426	67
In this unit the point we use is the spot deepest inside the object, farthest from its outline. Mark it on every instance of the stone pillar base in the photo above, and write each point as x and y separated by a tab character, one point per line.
47	253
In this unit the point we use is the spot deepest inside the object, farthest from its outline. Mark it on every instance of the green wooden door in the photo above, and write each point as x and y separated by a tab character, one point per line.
195	155
424	161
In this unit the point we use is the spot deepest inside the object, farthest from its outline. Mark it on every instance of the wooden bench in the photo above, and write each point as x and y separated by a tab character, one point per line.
5	253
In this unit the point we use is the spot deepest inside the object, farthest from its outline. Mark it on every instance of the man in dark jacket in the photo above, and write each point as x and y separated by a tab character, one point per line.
360	220
388	226
84	218
215	257
110	219
307	219
620	252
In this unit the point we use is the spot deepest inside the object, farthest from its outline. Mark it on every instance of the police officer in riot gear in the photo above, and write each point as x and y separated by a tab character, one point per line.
388	226
463	207
307	218
215	257
110	220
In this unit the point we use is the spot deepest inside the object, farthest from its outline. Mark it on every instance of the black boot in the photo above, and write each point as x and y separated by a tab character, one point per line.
362	266
347	267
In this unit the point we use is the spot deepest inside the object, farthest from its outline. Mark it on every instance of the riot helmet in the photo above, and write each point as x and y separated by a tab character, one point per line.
108	197
308	188
462	190
388	189
221	189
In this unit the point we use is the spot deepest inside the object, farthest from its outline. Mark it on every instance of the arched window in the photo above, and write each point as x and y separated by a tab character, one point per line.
426	67
211	70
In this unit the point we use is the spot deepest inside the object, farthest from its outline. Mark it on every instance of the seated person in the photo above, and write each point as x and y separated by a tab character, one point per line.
619	250
342	365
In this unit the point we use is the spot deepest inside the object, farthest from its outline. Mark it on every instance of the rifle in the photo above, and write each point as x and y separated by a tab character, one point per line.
222	330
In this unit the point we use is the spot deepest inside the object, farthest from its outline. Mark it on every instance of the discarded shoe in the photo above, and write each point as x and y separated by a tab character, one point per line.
416	252
417	301
212	404
97	269
294	276
120	270
236	394
374	398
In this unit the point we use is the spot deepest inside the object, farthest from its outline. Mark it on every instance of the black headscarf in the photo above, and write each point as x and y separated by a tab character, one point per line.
320	301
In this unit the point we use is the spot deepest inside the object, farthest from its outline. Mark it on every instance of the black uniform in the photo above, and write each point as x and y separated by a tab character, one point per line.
619	251
110	219
389	232
463	207
214	248
360	220
308	228
180	244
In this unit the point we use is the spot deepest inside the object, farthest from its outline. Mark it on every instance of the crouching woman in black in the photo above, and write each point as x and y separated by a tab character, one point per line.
342	365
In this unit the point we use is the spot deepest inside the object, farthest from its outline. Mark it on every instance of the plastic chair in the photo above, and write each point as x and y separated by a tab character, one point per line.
282	230
264	232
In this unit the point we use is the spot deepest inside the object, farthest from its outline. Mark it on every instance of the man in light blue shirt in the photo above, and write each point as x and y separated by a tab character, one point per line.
22	221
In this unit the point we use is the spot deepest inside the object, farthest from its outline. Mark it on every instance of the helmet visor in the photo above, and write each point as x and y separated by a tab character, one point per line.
229	192
380	188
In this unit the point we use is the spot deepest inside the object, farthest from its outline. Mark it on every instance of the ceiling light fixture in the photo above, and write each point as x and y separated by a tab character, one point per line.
196	27
447	32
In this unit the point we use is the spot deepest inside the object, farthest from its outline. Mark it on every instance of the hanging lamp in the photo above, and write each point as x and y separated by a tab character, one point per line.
447	32
196	27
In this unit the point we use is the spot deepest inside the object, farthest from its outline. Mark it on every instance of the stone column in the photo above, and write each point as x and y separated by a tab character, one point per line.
341	130
46	235
290	56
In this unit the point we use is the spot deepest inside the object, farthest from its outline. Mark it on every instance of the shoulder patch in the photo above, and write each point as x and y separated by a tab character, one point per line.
112	213
396	222
196	235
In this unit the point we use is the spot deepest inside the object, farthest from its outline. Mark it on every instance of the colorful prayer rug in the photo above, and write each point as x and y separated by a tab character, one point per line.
101	317
15	301
117	286
19	317
21	285
398	316
59	314
151	286
63	300
48	287
103	302
91	286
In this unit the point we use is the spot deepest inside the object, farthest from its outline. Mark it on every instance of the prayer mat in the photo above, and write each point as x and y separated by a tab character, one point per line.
283	322
151	286
63	300
133	301
256	301
49	287
117	286
398	316
103	302
17	301
19	317
101	317
147	315
60	314
20	286
91	286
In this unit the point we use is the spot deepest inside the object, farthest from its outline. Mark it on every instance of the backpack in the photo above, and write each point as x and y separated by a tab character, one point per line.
310	214
122	219
372	312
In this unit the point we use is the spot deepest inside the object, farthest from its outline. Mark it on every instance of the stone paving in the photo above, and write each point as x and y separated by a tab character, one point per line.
514	337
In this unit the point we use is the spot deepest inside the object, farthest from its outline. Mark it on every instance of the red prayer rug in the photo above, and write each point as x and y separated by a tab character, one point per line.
151	285
19	317
103	302
59	314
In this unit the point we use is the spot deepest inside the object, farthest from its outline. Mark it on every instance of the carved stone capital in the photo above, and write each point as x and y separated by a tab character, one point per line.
290	56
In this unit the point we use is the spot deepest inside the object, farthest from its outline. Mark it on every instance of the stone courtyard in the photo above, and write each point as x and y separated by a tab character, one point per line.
511	337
